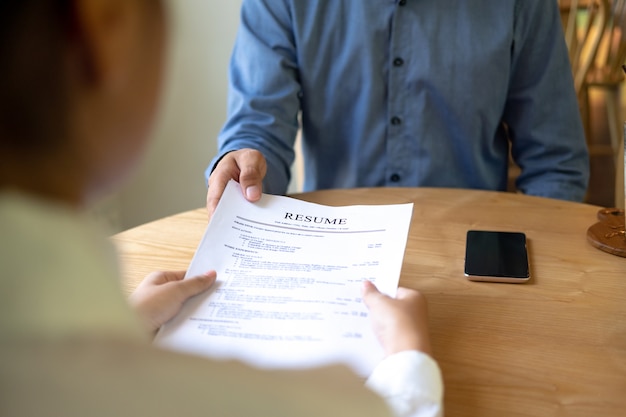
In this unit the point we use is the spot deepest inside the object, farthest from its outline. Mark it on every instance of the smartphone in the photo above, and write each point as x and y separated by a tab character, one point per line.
495	256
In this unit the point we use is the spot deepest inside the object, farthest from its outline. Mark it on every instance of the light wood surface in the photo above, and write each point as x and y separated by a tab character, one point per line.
555	346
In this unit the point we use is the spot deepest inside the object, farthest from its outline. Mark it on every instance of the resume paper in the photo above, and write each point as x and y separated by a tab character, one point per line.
289	277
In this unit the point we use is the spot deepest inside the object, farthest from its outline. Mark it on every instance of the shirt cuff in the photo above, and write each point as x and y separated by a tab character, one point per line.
411	384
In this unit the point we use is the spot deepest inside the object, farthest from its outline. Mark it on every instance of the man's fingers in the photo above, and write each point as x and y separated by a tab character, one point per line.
212	198
227	169
217	184
247	167
252	168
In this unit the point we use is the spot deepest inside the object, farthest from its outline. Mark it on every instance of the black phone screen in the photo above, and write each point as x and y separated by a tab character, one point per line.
496	254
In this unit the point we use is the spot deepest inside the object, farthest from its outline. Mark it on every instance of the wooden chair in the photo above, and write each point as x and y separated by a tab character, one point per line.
583	22
606	75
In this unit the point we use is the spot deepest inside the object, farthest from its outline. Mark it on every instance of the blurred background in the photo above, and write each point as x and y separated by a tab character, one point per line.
193	109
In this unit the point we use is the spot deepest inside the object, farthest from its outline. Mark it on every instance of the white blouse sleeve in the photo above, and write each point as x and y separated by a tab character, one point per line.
411	384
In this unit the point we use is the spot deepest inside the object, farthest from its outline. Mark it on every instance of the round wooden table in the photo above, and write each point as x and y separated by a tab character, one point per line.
555	346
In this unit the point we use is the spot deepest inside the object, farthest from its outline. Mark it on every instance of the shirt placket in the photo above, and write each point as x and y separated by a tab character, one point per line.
397	158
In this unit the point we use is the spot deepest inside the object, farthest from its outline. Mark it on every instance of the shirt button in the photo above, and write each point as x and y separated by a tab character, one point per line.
396	121
394	178
398	62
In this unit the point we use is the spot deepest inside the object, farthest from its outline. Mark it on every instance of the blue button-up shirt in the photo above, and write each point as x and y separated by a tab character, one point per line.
407	93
